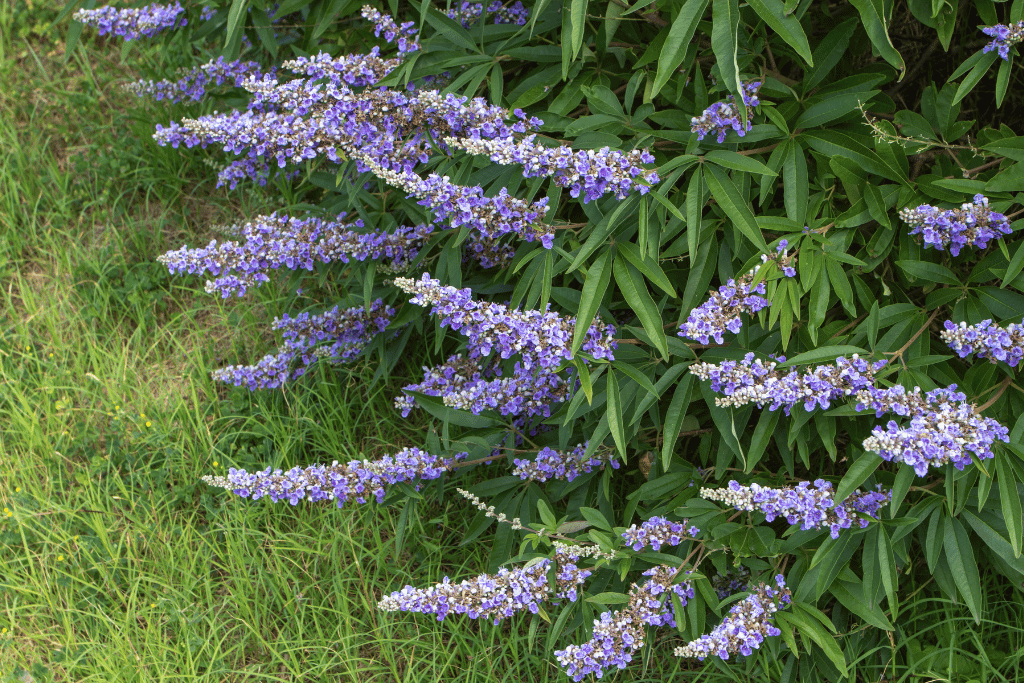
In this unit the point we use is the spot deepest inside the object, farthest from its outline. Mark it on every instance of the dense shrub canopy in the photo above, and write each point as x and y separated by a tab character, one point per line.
542	195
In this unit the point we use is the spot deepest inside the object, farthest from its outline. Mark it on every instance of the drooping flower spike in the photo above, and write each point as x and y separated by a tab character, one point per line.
1004	37
619	634
746	626
658	531
721	312
721	117
551	464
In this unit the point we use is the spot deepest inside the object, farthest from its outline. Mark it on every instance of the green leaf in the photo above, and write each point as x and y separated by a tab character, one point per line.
931	272
634	374
436	407
725	16
1009	501
738	162
887	564
1008	180
794	182
599	237
615	415
648	266
694	210
788	27
680	35
904	478
233	33
974	77
1011	148
852	597
823	353
594	288
586	382
857	473
832	108
962	565
728	197
608	599
876	23
822	638
674	419
634	291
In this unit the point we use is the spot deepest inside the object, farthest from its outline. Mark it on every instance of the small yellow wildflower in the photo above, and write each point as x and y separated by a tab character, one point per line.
17	489
51	355
8	513
149	424
3	630
152	604
60	558
215	463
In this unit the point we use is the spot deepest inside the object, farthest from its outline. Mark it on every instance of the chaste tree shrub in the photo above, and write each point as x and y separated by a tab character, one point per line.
543	195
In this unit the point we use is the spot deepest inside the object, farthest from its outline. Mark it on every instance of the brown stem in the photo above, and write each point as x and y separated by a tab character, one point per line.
899	352
995	397
981	168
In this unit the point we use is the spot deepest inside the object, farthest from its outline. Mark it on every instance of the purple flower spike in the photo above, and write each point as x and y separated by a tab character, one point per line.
972	224
499	595
551	464
943	427
811	508
721	313
358	480
469	13
619	634
194	83
658	531
1004	37
986	340
133	23
745	627
721	117
345	331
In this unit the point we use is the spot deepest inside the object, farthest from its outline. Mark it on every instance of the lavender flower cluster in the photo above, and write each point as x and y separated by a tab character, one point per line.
619	634
721	117
356	480
354	70
590	173
658	531
194	83
463	383
745	627
943	427
1004	37
540	338
811	508
986	340
133	23
274	241
753	380
384	23
972	224
468	13
721	313
496	596
346	330
551	464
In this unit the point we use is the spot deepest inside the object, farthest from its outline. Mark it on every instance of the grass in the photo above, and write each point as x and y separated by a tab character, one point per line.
116	564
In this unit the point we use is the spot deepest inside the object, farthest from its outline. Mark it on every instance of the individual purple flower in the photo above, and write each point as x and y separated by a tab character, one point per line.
334	336
943	427
658	531
193	84
499	595
357	480
551	464
721	117
297	243
972	224
619	634
539	338
986	340
753	380
1005	37
810	507
746	626
133	23
590	173
721	312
